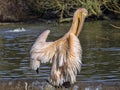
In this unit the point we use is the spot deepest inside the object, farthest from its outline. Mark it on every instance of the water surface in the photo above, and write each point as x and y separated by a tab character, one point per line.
99	40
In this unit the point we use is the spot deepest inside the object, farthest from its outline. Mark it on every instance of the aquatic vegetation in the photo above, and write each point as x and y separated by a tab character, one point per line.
93	6
56	9
112	5
64	8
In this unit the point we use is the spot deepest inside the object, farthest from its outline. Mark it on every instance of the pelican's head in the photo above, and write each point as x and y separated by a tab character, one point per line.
83	13
80	13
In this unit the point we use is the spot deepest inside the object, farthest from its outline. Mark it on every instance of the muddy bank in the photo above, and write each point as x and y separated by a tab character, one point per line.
34	84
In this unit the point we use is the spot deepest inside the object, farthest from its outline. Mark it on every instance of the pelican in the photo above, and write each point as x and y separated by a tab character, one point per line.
65	53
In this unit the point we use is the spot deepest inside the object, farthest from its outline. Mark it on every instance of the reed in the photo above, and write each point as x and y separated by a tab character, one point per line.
65	8
59	9
112	5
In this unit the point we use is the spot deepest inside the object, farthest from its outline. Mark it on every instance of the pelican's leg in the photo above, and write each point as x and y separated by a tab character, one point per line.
65	84
52	84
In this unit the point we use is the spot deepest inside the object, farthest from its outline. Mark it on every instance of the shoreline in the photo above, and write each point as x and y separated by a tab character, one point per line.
30	21
37	84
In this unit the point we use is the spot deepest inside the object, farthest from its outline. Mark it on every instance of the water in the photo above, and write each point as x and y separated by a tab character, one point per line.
99	40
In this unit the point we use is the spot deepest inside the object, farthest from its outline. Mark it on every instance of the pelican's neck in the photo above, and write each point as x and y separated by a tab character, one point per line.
77	24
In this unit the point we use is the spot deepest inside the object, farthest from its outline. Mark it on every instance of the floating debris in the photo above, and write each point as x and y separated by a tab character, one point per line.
115	26
17	30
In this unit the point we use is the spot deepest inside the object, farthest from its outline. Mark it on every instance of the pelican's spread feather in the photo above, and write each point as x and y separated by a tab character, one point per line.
65	56
41	51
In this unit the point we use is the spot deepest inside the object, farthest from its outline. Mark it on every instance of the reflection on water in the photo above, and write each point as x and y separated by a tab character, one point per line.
100	42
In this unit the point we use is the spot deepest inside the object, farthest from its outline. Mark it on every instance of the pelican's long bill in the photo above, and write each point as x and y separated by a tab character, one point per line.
81	19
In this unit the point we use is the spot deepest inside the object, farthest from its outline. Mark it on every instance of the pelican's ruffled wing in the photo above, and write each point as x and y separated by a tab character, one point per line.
65	55
41	51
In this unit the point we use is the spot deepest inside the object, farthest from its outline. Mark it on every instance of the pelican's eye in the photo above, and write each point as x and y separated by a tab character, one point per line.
85	14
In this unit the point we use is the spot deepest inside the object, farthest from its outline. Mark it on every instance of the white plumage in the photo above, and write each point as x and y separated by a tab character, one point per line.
65	53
